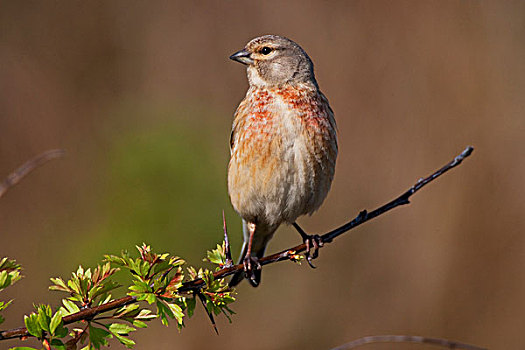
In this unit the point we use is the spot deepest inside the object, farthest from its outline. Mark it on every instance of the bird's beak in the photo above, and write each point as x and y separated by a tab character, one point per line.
242	56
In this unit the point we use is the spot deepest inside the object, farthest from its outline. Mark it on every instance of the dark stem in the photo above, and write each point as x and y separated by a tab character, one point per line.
85	314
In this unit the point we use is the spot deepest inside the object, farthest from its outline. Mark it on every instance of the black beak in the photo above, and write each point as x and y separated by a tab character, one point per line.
242	56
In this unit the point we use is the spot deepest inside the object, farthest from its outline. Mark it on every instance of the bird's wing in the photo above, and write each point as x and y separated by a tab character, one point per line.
329	110
237	119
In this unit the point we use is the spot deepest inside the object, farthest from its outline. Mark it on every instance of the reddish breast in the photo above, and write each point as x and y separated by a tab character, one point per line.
307	104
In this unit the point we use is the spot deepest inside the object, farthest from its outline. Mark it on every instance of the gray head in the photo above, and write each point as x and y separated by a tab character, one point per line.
275	60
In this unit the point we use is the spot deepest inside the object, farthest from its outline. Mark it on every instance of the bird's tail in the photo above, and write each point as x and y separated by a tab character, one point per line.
262	236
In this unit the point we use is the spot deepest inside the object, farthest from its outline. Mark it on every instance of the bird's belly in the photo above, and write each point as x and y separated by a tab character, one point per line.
279	179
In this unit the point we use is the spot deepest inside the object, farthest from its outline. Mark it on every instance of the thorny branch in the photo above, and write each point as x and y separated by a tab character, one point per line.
364	216
288	254
27	167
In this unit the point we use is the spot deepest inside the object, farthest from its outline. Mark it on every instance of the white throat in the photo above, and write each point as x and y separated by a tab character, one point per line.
254	78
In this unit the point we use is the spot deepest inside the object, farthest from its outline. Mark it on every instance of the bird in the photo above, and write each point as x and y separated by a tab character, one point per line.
283	147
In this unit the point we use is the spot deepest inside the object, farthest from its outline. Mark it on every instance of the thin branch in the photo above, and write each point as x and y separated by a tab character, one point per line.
84	314
288	254
27	167
361	218
407	339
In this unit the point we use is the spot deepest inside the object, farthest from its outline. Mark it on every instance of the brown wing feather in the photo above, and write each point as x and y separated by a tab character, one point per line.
236	119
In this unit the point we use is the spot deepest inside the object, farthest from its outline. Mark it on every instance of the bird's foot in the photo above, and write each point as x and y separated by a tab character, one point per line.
313	242
251	266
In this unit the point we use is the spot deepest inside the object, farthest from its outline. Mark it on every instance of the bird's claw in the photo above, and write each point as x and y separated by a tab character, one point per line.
312	241
251	264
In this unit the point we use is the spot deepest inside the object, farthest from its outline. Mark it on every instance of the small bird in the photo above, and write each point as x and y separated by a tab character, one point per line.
283	147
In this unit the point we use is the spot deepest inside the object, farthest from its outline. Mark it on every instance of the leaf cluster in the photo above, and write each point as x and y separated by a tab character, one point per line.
47	326
156	280
9	275
87	288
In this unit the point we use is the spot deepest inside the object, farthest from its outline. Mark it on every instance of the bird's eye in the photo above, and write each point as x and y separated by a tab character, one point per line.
266	50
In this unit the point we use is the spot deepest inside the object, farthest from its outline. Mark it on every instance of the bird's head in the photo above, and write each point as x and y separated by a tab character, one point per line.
275	61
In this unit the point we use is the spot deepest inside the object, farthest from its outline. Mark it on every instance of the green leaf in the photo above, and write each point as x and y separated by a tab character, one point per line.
163	311
140	287
44	317
22	348
139	324
217	256
150	298
145	314
32	325
127	310
228	312
5	304
8	264
74	284
102	289
125	341
60	285
56	320
161	267
61	331
57	344
9	272
176	311
98	336
70	306
190	302
5	279
120	328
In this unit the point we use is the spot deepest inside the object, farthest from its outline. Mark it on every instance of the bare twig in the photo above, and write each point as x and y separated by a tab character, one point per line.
288	254
407	339
27	167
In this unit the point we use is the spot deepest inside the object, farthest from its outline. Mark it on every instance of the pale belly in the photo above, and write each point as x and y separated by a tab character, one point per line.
280	176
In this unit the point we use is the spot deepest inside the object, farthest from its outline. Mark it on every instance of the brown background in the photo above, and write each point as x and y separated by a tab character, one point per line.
141	96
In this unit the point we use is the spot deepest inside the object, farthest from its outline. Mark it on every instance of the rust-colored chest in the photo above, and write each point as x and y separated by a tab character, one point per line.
281	112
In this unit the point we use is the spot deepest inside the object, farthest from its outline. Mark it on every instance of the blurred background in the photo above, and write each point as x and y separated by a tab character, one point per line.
141	96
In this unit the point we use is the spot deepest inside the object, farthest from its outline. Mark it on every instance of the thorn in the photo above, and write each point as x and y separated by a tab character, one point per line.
210	315
227	252
403	201
362	215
